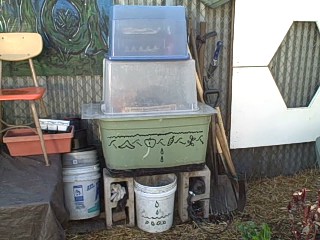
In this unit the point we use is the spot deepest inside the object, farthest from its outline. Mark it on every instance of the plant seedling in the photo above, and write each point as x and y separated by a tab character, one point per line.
251	231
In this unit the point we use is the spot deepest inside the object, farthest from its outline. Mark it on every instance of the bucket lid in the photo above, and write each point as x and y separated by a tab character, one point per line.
80	170
156	183
81	177
79	162
88	148
80	155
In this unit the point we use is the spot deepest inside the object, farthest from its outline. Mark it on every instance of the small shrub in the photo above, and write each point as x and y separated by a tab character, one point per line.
251	231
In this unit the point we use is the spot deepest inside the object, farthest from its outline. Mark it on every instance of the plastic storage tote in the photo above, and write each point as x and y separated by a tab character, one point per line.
136	87
152	140
148	33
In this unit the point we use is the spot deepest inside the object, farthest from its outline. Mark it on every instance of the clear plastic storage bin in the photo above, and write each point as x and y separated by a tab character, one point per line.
137	87
148	33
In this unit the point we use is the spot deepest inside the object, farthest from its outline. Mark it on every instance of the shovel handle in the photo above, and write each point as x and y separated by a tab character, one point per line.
221	127
225	152
199	89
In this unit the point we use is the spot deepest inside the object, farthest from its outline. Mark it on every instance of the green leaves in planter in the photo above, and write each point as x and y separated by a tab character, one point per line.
251	231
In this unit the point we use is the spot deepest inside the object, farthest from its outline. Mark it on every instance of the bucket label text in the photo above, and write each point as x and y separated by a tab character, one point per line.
90	186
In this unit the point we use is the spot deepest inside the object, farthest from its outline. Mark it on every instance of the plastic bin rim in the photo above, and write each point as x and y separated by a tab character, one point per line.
203	110
126	12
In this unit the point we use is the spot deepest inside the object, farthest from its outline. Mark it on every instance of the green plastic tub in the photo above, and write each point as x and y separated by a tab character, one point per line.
155	141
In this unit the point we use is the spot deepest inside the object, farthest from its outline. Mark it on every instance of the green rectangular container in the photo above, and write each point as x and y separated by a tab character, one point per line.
158	141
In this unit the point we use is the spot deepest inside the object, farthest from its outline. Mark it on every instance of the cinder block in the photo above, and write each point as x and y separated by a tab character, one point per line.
110	205
183	192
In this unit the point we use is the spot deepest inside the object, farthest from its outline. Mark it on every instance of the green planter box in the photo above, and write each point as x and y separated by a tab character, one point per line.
155	141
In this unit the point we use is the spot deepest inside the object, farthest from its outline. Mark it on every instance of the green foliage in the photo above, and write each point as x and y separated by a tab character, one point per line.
251	231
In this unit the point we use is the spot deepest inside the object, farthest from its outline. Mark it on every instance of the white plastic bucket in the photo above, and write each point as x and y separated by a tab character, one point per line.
81	191
154	197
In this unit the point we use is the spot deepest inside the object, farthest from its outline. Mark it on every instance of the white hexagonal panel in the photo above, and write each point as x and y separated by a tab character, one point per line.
259	115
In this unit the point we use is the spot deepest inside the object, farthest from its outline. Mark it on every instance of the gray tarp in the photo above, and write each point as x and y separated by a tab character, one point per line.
31	198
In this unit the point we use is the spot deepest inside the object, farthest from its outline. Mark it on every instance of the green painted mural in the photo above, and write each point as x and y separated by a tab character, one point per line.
75	34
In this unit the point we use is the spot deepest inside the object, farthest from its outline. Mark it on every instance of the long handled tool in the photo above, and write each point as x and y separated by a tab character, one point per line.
214	62
225	187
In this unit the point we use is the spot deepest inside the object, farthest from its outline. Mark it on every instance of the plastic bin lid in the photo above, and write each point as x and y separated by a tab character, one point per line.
147	12
93	111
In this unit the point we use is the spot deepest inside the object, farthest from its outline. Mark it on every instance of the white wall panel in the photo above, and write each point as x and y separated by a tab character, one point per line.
260	27
259	116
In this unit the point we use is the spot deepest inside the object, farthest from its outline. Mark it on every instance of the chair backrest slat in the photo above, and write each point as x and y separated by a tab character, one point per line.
20	46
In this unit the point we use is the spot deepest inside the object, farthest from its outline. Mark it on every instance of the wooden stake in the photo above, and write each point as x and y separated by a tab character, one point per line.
221	143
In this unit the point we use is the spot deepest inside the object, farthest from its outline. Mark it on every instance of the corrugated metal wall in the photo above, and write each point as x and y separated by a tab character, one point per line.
65	95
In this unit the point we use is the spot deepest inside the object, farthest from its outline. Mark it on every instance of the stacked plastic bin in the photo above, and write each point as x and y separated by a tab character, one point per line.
149	117
148	67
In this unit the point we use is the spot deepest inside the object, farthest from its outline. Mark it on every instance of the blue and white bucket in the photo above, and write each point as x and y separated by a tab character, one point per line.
81	191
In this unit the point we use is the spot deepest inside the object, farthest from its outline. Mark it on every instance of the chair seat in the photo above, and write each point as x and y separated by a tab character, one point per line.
28	93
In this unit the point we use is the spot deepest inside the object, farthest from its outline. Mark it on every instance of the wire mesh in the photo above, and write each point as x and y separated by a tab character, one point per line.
296	66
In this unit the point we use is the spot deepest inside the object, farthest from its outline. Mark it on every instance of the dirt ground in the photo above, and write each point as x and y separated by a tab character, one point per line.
267	201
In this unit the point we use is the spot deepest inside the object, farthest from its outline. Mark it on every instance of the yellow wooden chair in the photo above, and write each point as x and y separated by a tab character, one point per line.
16	47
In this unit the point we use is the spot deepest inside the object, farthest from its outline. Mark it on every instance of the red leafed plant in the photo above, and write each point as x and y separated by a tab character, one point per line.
304	216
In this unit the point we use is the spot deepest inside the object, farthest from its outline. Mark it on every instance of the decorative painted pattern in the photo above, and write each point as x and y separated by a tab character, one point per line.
75	34
188	139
